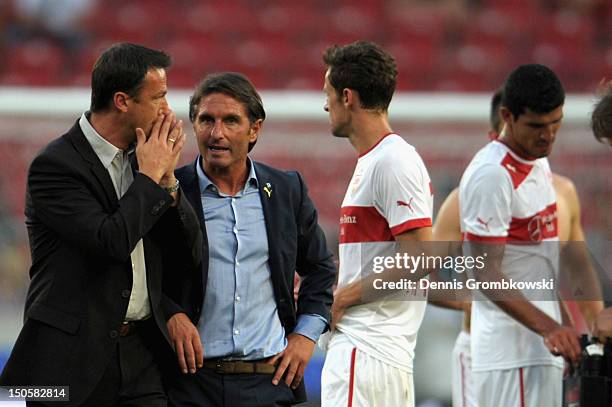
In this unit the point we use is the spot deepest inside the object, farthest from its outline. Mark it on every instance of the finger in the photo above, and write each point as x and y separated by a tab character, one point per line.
179	144
190	356
175	135
298	377
564	345
164	131
280	371
575	347
173	123
179	127
552	346
291	373
156	127
181	356
571	348
141	137
199	349
275	358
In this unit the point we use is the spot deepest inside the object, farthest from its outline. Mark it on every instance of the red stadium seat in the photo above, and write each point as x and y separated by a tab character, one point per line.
35	63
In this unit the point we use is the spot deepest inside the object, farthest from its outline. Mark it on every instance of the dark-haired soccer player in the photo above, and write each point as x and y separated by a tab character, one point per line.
447	228
508	211
369	358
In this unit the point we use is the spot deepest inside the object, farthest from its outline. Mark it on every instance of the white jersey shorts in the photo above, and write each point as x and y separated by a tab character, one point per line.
540	386
351	377
461	372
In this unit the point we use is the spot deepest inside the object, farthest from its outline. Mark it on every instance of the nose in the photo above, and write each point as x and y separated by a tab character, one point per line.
548	132
326	107
215	130
165	106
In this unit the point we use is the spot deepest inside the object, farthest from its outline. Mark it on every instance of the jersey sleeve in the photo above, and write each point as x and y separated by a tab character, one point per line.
485	200
402	193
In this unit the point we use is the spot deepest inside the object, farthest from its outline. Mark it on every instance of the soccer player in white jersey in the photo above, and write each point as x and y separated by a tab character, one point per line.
389	198
447	228
508	211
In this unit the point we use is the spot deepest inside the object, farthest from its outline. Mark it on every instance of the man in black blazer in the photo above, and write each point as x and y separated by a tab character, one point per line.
236	316
102	218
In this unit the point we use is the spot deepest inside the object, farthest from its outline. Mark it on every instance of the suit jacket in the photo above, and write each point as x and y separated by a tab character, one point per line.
295	241
81	237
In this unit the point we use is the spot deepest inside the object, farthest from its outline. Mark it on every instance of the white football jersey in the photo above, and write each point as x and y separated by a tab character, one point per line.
390	193
504	198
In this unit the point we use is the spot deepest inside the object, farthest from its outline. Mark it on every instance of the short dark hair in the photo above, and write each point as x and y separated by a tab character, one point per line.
122	68
601	118
232	84
494	118
366	68
534	87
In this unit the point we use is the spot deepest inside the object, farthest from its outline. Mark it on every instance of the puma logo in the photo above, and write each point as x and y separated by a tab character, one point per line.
482	222
408	204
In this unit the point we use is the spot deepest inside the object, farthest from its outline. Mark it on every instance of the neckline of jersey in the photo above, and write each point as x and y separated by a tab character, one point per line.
515	154
375	144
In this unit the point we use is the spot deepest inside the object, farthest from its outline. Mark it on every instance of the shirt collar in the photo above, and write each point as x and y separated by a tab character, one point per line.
205	182
105	151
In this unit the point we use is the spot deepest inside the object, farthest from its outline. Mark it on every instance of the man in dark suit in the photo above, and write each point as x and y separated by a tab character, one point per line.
99	233
238	312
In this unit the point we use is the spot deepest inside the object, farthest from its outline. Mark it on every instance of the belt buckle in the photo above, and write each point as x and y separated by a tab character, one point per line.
126	328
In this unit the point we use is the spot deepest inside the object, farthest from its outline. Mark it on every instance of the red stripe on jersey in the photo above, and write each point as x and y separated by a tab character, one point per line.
522	387
431	190
374	146
352	377
518	171
360	224
487	239
409	225
542	225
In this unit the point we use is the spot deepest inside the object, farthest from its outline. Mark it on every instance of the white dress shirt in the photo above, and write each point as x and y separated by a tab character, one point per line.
117	164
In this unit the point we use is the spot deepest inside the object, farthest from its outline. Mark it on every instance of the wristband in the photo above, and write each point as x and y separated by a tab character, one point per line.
173	188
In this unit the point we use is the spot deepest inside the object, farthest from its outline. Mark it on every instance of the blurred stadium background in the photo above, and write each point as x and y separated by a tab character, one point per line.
452	54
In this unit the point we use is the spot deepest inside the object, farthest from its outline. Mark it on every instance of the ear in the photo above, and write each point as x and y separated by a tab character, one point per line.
348	97
120	101
506	114
255	129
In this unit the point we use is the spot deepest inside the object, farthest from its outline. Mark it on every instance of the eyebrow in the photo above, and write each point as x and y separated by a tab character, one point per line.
206	115
540	124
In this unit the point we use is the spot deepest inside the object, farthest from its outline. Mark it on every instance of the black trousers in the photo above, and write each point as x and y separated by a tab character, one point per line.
206	388
132	377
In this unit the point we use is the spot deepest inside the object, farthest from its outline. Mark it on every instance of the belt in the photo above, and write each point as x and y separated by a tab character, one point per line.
128	328
239	366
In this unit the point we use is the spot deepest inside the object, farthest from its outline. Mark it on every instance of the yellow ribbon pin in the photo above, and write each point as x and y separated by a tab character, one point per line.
268	189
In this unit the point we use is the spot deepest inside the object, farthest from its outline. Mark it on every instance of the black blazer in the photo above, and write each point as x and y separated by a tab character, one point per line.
81	237
295	241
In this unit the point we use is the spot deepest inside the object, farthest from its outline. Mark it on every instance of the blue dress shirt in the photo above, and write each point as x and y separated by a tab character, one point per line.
239	316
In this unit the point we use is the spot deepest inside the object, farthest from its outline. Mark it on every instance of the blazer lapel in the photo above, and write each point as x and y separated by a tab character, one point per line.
269	203
191	188
81	144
